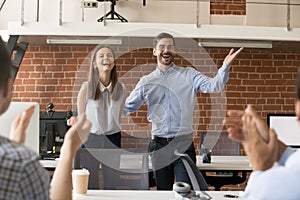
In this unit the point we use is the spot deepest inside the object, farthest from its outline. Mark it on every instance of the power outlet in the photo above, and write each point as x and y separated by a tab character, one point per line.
90	4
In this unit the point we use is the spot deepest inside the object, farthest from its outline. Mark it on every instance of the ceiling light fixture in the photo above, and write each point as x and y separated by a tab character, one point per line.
57	40
234	43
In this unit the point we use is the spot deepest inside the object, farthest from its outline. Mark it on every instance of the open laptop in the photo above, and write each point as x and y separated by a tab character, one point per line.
32	133
287	128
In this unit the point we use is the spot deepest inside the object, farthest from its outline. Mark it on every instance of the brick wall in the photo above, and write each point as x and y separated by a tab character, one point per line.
228	7
265	78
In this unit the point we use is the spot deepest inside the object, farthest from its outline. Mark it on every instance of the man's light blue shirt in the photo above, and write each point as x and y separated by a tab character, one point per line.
171	97
279	182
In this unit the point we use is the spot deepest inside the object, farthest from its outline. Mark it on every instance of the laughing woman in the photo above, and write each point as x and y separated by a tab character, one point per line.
102	99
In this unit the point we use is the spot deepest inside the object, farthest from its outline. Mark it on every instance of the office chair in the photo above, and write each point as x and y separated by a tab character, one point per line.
197	180
112	13
138	144
223	146
130	168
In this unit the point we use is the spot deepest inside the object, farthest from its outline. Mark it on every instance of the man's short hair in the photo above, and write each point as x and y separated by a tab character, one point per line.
5	64
161	36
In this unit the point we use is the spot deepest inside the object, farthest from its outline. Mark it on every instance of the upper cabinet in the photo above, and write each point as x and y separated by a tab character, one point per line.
222	19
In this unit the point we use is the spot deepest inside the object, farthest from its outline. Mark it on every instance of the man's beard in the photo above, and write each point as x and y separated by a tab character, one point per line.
166	58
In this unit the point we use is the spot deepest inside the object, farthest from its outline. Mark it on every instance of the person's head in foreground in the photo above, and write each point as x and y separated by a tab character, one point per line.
5	78
22	176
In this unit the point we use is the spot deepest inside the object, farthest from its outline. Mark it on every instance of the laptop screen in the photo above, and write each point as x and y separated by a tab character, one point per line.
287	128
32	133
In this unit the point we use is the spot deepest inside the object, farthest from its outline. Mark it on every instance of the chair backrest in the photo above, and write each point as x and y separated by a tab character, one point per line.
134	170
219	143
130	167
196	178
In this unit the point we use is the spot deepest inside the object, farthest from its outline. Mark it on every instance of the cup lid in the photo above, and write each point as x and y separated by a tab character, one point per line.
80	172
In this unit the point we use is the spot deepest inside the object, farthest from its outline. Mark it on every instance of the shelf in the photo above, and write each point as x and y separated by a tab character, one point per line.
93	29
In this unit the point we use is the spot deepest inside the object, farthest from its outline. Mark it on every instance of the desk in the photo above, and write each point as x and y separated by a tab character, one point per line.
49	164
225	163
231	165
238	163
145	195
218	163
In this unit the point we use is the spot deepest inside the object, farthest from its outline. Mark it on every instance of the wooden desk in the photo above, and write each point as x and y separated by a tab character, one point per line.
225	163
145	195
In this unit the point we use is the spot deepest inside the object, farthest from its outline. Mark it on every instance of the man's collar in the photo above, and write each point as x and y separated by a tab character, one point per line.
170	67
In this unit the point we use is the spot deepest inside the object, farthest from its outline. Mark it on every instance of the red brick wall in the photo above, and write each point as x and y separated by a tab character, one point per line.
228	7
265	78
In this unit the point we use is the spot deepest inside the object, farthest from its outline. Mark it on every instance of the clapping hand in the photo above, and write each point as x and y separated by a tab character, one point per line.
20	124
262	154
78	133
235	123
260	144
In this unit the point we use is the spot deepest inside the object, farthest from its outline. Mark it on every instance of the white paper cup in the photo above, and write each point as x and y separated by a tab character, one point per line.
80	179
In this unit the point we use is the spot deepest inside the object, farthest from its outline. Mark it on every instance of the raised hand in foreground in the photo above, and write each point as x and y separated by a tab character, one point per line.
61	184
260	152
260	144
20	124
235	123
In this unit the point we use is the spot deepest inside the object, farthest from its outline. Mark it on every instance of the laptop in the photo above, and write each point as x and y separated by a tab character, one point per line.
32	133
287	128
